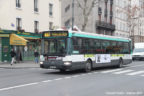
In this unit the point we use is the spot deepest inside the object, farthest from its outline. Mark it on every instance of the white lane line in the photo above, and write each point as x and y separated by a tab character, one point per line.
45	81
67	77
136	66
136	73
75	76
124	71
109	71
58	79
24	85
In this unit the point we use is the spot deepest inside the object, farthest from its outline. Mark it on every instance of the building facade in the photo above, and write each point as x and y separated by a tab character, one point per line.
121	18
100	18
138	33
30	15
26	19
139	29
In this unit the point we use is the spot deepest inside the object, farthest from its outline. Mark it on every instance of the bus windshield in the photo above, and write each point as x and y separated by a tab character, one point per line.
55	46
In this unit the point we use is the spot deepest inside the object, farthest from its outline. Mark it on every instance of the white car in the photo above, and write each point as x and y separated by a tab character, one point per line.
138	54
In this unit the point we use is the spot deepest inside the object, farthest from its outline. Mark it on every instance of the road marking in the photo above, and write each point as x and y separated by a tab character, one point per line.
75	76
67	77
58	79
109	71
14	87
136	73
45	81
136	66
117	71
124	71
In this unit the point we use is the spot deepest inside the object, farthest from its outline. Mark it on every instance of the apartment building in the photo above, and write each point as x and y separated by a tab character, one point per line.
138	33
139	29
30	15
121	18
99	21
21	21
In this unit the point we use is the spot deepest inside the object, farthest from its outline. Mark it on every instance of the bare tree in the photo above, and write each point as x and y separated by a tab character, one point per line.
132	13
86	8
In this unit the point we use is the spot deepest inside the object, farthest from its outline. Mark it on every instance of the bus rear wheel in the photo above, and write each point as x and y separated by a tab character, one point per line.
88	66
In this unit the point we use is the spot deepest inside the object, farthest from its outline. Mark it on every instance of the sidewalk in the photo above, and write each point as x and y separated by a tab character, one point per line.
25	64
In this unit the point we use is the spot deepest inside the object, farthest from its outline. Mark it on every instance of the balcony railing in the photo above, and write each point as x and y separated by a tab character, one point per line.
105	25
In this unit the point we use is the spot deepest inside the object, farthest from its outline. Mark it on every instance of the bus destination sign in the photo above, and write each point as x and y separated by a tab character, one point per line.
55	34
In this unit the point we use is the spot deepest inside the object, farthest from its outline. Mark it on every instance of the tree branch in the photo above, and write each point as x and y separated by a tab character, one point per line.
94	2
79	4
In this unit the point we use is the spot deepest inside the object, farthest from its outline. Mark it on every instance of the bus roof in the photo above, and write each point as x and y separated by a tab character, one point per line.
92	35
97	36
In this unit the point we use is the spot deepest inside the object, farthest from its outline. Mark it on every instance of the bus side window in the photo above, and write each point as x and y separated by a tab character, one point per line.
105	45
85	46
126	48
76	45
114	47
120	47
97	47
91	46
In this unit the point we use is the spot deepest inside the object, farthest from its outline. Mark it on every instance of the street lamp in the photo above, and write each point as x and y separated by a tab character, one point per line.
72	14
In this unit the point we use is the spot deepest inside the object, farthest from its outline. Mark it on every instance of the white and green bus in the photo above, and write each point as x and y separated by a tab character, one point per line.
73	50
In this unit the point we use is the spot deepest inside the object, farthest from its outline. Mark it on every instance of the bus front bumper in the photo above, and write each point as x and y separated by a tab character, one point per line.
56	65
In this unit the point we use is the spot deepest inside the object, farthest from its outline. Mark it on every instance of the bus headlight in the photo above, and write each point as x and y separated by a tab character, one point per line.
41	62
67	63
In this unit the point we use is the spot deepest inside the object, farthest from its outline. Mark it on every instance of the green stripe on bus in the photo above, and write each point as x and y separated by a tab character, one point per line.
97	37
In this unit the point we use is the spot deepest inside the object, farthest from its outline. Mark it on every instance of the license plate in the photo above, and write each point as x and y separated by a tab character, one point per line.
52	67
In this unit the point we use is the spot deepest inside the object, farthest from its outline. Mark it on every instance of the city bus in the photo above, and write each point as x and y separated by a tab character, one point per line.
68	50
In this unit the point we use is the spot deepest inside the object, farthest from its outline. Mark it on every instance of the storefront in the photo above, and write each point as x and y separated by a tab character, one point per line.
24	44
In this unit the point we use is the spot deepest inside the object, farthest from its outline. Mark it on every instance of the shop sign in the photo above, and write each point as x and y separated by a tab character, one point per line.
17	40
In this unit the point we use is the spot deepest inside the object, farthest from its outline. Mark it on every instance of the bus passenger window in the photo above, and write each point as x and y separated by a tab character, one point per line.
77	42
97	47
105	45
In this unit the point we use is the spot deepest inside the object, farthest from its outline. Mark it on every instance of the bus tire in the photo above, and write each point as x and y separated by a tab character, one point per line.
120	65
88	66
62	70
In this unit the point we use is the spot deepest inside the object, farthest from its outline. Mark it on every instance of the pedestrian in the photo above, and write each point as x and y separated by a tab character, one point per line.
13	54
36	55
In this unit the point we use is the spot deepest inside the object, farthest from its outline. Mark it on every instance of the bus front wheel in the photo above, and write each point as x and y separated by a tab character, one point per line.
62	70
88	66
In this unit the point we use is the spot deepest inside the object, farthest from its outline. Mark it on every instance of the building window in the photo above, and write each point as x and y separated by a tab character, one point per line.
50	9
50	25
18	5
18	23
36	26
67	8
36	5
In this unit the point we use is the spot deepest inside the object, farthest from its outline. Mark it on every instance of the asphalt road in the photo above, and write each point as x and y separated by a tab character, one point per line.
127	81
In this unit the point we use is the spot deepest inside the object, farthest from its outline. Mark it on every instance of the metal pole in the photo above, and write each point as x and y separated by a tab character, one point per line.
42	46
72	14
